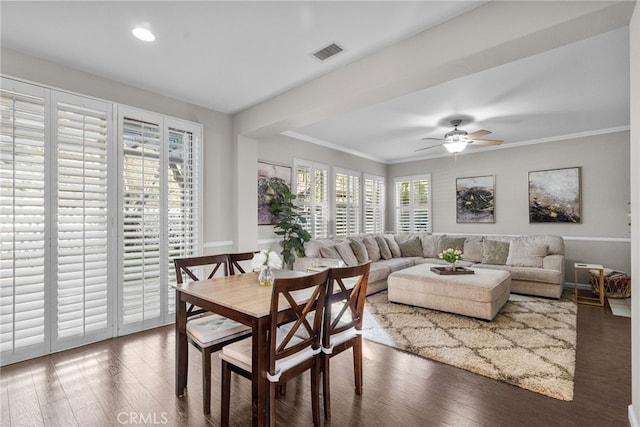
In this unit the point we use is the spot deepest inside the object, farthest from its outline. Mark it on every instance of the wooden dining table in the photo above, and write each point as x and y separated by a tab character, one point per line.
240	298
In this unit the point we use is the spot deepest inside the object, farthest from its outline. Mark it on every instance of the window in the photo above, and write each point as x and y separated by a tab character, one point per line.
373	204
413	203
311	188
159	208
347	202
91	215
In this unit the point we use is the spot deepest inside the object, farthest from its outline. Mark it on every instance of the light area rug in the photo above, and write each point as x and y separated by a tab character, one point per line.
530	343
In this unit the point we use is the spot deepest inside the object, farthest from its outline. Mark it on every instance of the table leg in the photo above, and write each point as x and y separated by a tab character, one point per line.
260	364
182	355
601	284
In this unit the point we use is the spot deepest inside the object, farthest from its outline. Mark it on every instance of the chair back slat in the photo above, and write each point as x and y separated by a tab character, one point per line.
353	300
234	262
284	307
185	265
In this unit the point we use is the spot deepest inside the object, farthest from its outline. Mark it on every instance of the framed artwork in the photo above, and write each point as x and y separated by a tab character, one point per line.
270	177
554	195
475	199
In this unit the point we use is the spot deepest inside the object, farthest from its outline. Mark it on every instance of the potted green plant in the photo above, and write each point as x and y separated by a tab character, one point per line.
288	223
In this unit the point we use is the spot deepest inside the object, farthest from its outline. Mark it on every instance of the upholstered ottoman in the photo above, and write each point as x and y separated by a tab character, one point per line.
479	295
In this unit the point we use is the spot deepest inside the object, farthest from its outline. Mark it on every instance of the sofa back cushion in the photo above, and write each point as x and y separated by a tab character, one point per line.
329	252
372	248
526	254
430	245
385	252
345	251
495	252
411	247
449	242
393	245
472	251
359	250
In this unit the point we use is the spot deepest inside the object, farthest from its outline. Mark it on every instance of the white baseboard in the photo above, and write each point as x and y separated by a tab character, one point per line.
633	421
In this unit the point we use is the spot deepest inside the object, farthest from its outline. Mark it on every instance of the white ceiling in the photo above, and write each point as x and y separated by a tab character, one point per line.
231	55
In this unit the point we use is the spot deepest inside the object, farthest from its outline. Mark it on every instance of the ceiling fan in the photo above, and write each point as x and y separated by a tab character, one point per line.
457	140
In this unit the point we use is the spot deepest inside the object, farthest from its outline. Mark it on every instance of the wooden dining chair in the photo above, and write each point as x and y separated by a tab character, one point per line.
291	351
342	329
234	261
209	332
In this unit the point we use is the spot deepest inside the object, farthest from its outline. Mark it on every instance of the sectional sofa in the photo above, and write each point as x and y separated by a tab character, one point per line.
536	263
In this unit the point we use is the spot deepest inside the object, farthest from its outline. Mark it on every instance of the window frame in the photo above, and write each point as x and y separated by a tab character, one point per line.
411	208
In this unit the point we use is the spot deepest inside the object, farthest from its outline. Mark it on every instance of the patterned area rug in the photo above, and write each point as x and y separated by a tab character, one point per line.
530	343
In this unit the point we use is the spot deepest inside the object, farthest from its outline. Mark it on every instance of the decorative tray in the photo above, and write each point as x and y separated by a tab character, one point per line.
459	270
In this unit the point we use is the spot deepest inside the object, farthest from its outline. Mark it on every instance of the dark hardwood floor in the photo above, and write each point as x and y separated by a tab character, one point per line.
129	381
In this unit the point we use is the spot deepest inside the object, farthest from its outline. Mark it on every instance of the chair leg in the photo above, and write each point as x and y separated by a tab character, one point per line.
273	392
326	387
225	397
315	391
206	380
357	365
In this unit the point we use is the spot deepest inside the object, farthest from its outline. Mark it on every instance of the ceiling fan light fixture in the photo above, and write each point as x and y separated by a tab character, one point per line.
455	146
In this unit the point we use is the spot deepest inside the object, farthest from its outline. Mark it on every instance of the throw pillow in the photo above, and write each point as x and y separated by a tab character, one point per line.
329	252
345	251
359	250
430	246
372	248
411	247
451	242
472	251
393	246
495	252
525	254
385	252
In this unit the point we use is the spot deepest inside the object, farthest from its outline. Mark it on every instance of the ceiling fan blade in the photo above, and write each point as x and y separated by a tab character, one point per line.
478	133
486	141
427	148
433	139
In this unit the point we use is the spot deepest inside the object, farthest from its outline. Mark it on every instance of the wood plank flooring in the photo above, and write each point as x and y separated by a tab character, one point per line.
129	381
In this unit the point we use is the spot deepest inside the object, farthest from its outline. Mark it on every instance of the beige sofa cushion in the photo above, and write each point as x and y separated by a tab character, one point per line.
451	242
393	246
430	246
472	251
495	252
372	248
385	252
359	250
526	254
329	252
411	247
395	264
345	251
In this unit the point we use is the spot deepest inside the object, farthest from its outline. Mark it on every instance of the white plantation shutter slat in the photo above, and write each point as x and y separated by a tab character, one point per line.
374	204
22	215
312	196
82	220
413	203
348	211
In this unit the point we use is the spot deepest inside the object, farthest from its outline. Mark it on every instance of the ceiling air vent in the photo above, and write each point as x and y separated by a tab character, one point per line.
327	52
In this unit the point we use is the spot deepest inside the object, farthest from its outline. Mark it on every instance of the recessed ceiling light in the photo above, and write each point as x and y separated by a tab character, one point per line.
143	34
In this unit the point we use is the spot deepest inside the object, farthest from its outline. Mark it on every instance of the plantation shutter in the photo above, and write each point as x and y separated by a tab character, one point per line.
82	229
183	182
311	189
23	216
373	204
413	203
347	203
141	220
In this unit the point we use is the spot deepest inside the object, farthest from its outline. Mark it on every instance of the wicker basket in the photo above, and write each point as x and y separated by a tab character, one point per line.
616	284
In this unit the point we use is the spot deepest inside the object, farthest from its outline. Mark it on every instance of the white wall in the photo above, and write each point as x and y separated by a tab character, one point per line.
218	148
602	237
634	409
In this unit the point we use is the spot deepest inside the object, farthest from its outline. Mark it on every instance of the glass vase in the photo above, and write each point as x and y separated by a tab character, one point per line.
451	266
266	277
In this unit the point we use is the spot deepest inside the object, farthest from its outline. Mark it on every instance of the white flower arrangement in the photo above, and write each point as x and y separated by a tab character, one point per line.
266	258
451	255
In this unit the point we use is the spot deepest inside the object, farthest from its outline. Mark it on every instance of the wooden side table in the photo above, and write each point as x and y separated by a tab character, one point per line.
599	301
